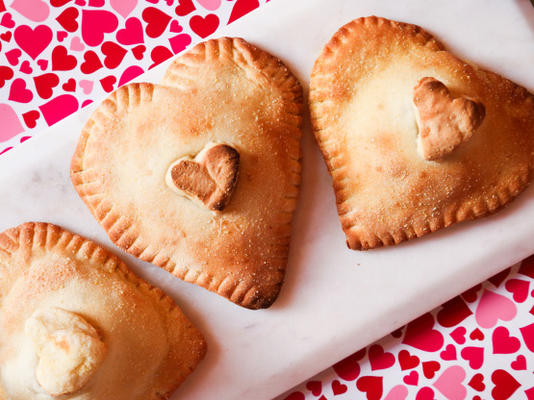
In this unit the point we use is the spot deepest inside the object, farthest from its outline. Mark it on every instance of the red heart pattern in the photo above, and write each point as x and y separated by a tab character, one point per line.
91	62
380	359
85	40
503	343
407	361
505	385
45	83
156	20
449	353
19	93
372	386
61	60
113	53
421	335
33	41
68	19
184	7
204	26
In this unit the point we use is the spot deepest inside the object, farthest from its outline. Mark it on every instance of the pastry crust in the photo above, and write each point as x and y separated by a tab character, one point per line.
361	99
76	323
223	91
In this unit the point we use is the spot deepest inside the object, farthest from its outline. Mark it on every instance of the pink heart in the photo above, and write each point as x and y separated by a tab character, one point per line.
520	363
459	335
19	93
11	125
519	288
132	32
95	23
475	356
87	86
7	21
61	35
13	56
25	67
33	41
180	42
419	334
130	73
58	108
380	359
492	307
210	4
450	385
42	64
503	343
123	7
528	336
449	353
76	44
175	27
412	378
34	10
399	392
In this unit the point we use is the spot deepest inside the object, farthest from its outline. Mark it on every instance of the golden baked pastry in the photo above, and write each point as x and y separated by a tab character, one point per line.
415	139
75	323
200	175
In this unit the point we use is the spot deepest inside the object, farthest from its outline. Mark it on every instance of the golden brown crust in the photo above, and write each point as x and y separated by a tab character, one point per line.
361	107
45	266
223	90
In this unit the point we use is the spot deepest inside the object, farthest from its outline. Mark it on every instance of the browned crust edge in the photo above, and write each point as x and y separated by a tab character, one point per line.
242	291
335	159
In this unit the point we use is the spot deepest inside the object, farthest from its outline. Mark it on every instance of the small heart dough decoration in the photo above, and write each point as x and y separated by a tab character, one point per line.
444	123
209	179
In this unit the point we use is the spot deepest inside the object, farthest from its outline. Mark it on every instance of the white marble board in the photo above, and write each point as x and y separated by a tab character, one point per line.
334	300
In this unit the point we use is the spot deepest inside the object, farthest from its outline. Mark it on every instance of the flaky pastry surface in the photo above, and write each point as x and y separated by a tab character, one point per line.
76	323
222	91
361	99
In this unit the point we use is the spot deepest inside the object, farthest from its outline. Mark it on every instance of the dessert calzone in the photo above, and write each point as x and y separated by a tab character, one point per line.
200	174
75	323
415	138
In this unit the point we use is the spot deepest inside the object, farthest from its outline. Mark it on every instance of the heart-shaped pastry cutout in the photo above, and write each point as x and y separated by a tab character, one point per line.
479	129
209	179
129	168
444	122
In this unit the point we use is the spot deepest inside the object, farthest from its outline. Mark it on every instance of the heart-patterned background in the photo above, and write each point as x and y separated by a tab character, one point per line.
57	56
479	345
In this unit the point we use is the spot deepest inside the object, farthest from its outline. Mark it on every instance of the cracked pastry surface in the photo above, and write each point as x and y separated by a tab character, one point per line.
76	323
398	176
227	225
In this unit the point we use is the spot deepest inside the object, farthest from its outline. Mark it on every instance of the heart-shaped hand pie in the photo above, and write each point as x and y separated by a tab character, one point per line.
466	149
133	168
76	323
209	179
444	123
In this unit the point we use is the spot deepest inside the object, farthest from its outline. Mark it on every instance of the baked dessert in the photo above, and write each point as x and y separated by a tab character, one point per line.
415	138
200	175
76	323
